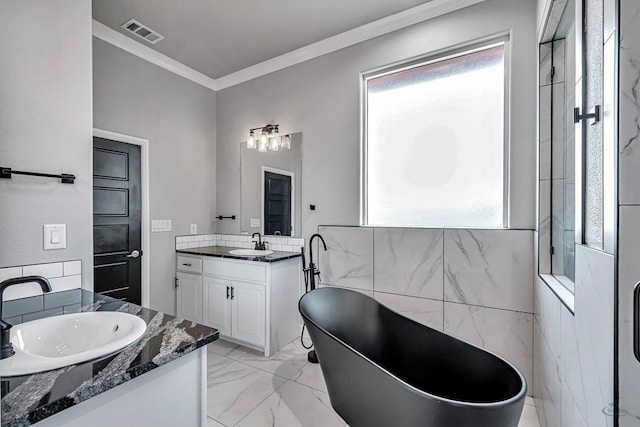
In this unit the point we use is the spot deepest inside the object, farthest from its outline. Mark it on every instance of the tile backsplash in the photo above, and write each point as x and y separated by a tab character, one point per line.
275	243
63	276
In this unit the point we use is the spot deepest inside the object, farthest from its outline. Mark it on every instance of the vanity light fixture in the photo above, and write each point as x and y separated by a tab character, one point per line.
251	142
270	139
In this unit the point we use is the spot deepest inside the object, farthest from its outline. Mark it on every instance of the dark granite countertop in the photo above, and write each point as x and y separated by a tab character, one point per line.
28	399
223	252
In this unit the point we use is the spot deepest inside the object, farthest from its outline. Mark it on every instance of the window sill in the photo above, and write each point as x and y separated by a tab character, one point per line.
564	295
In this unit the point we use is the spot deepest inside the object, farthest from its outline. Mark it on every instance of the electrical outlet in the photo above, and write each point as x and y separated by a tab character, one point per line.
254	222
194	228
160	225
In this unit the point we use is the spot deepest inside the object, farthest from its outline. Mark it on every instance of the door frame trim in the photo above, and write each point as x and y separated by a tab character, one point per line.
293	194
144	173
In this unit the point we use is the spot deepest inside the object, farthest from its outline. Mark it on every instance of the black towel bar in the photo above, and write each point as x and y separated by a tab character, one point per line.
226	217
64	177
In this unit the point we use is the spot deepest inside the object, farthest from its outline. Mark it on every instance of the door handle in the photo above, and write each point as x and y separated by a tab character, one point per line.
232	292
636	319
227	292
134	254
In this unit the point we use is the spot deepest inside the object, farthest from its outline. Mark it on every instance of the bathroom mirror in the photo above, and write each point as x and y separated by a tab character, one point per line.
271	189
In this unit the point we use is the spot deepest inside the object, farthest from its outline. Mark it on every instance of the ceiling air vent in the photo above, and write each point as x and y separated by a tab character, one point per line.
142	31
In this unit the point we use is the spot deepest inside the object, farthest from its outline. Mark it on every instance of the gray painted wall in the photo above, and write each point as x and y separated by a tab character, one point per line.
320	98
178	117
45	125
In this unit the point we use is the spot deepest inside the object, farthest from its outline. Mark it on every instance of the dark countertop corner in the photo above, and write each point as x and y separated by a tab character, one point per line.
27	399
223	252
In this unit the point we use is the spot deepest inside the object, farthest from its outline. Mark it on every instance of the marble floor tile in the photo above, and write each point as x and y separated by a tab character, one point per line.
222	347
311	376
213	423
216	361
285	363
294	405
529	418
236	390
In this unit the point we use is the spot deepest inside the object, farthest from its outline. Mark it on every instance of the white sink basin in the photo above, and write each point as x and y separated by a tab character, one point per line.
55	342
251	252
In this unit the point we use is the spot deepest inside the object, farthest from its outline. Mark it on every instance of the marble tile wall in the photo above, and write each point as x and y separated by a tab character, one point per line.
629	204
276	243
473	284
573	354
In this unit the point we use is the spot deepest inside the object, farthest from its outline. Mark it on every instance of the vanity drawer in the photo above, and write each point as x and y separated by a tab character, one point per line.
237	270
189	264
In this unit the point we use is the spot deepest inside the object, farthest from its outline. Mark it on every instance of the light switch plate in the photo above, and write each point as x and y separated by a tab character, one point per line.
55	236
160	225
254	222
194	228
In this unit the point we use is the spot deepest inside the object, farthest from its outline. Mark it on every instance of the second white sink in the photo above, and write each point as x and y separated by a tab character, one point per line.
58	341
251	252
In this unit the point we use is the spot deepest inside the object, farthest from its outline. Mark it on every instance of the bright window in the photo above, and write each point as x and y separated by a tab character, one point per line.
434	147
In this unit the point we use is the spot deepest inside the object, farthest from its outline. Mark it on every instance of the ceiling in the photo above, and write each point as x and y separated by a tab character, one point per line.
218	37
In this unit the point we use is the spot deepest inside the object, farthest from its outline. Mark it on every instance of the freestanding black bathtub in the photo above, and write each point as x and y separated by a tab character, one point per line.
383	369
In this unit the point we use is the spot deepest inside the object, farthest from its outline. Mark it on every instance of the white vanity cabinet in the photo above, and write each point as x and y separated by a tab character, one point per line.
252	303
189	289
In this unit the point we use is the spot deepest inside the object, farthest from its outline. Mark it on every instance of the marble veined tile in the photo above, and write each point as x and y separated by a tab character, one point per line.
294	405
213	423
629	113
284	363
547	383
490	268
545	132
311	376
529	418
348	260
409	261
570	416
628	276
222	347
506	333
215	361
547	309
545	63
426	311
587	337
236	390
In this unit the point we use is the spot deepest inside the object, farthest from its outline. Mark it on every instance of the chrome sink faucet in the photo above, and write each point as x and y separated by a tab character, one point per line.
260	245
6	348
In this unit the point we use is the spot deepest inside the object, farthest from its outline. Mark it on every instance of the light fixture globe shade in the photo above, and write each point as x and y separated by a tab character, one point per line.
274	144
251	141
286	142
264	143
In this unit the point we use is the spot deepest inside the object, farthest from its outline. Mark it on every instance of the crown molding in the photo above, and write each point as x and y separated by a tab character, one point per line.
382	26
391	23
136	48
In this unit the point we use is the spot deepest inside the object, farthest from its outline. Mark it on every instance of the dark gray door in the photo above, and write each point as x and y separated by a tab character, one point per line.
277	204
117	216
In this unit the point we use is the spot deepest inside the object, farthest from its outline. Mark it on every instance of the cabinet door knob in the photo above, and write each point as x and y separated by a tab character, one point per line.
177	282
227	292
232	292
187	264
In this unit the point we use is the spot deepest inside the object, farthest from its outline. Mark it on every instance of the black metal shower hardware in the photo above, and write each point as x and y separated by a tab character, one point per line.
595	115
65	178
226	217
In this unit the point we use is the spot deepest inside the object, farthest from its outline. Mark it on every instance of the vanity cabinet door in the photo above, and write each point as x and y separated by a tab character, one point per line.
248	312
189	297
217	304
